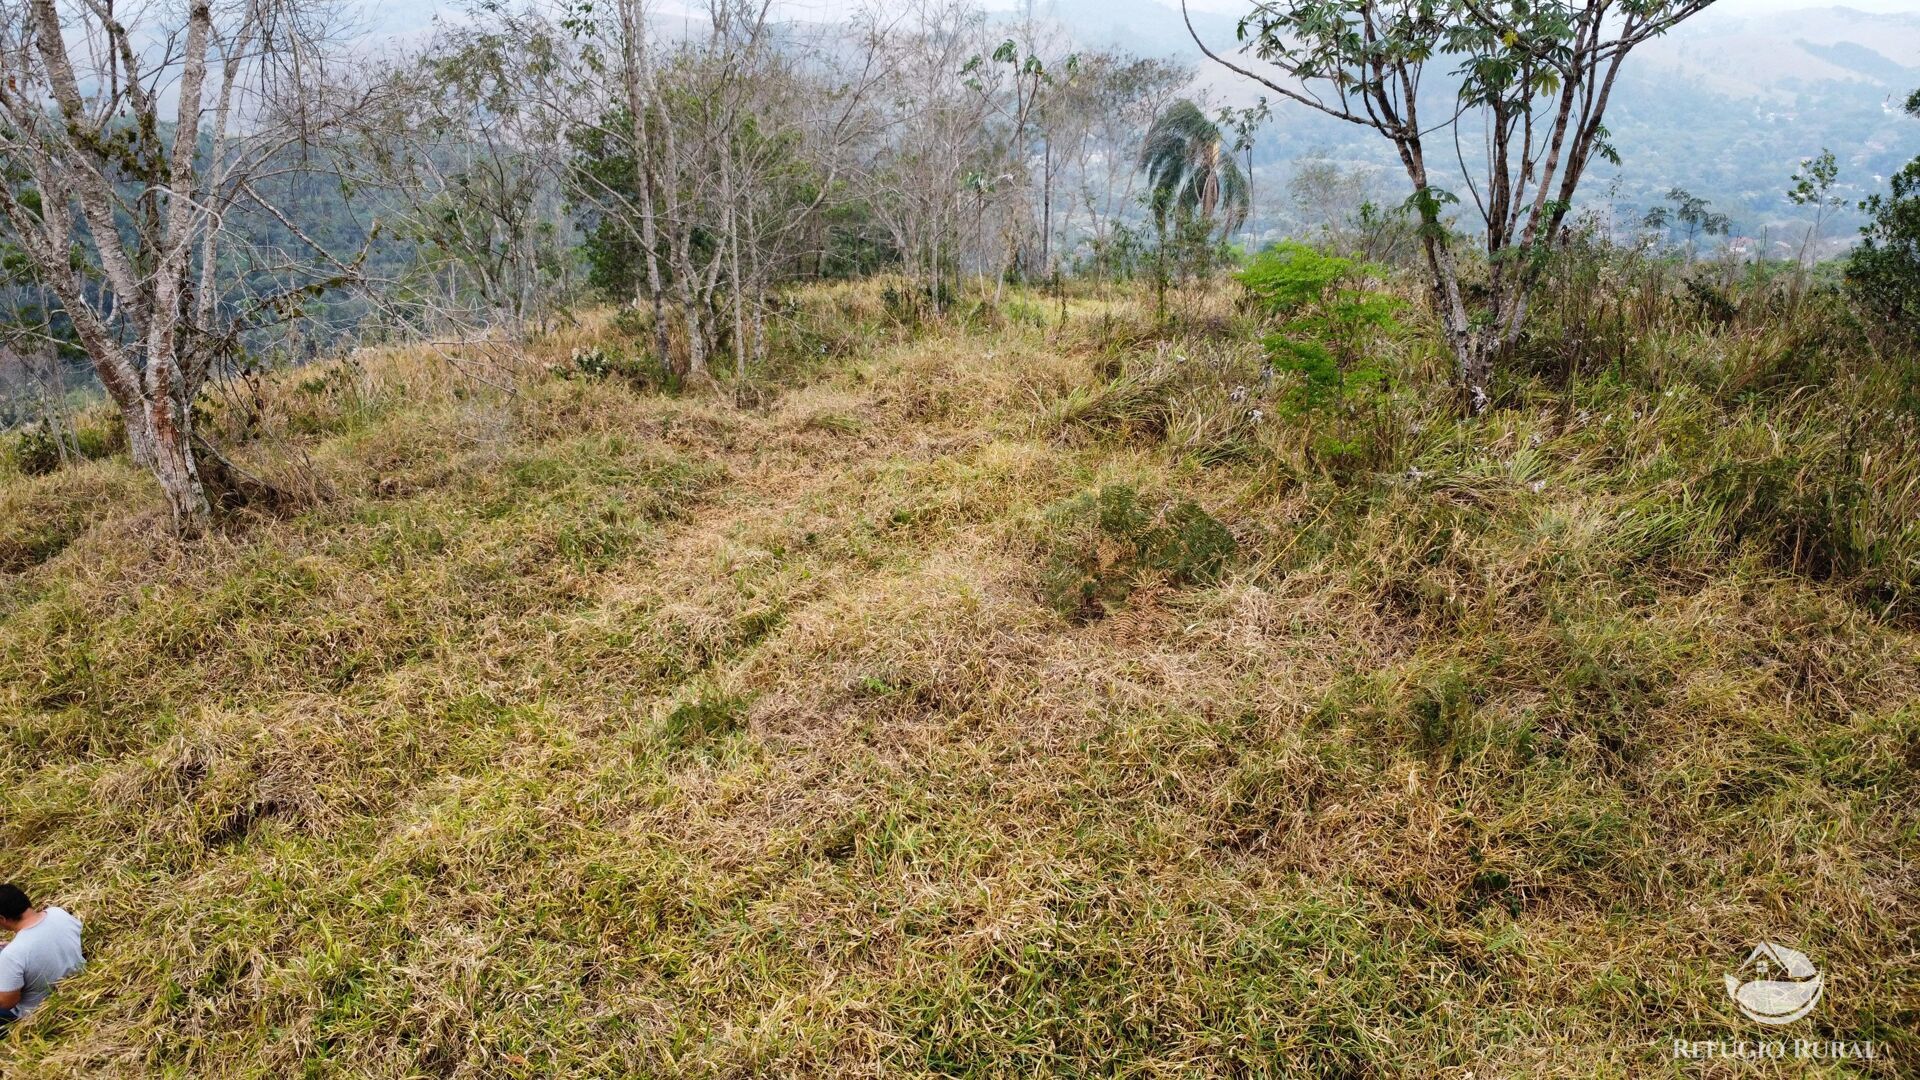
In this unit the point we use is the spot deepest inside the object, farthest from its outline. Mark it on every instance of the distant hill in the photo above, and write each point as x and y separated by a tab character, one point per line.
1779	56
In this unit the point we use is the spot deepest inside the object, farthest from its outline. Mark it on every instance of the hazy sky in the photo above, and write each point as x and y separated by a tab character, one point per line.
398	13
1911	6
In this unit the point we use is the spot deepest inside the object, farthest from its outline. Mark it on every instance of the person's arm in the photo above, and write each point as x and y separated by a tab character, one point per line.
12	982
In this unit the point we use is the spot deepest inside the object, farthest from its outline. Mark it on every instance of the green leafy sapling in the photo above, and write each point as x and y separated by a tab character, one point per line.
1327	319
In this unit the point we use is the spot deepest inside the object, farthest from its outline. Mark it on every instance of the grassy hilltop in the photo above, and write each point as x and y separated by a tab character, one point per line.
990	696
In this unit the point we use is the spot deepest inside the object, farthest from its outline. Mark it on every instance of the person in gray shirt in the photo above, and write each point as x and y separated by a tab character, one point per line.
45	949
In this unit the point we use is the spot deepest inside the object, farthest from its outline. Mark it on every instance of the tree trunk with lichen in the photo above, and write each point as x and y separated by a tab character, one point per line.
163	430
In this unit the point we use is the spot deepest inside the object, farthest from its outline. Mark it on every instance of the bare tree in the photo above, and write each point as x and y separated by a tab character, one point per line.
699	160
131	149
1014	80
932	141
1098	119
441	146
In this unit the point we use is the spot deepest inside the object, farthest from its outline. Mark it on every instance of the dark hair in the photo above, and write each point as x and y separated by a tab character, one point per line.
13	902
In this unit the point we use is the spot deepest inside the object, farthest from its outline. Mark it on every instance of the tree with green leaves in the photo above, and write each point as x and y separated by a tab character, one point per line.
1327	317
1690	216
1813	187
1527	80
1245	124
1327	321
1883	273
1191	171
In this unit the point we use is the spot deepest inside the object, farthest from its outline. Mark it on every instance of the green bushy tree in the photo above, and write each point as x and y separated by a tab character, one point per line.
1883	273
1327	316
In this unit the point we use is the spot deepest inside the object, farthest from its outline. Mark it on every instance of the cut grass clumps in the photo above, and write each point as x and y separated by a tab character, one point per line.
1103	545
1132	406
702	721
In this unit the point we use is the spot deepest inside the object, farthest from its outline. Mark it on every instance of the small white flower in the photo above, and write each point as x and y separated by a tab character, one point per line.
1538	486
1256	415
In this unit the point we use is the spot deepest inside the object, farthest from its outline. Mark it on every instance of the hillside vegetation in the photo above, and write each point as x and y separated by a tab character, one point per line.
1043	688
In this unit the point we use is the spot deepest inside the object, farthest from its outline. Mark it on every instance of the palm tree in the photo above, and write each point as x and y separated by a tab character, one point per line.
1190	170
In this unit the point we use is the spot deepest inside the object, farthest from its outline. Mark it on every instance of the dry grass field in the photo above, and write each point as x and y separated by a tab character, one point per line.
995	698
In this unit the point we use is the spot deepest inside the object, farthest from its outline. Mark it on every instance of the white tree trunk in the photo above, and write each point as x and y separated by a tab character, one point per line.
160	438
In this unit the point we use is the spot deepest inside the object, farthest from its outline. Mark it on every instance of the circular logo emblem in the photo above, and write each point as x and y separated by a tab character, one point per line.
1776	985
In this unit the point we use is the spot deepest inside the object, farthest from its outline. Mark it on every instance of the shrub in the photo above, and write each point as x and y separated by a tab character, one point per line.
1019	312
35	452
911	303
634	322
599	362
594	361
